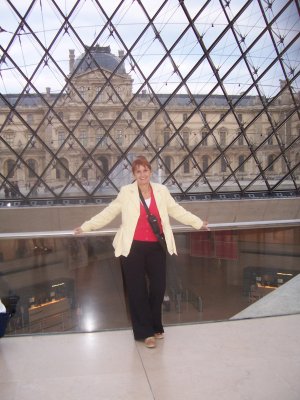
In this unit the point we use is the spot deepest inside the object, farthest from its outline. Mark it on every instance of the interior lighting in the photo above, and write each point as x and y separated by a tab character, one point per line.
284	273
58	284
88	323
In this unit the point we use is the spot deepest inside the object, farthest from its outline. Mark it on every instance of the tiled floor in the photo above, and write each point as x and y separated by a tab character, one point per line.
243	360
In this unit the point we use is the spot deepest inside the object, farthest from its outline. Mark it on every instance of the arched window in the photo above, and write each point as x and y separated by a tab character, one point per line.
204	135
103	162
32	164
167	161
194	138
61	172
270	161
222	134
9	168
186	166
240	139
241	165
166	136
204	162
186	137
85	173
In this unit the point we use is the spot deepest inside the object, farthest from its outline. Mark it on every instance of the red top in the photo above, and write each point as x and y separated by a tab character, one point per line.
143	231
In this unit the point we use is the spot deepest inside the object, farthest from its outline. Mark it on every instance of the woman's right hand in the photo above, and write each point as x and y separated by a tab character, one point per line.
77	231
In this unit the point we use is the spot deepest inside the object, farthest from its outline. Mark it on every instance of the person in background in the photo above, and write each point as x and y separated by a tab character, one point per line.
143	258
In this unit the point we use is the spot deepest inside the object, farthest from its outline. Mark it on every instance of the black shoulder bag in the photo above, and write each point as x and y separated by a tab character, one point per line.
153	223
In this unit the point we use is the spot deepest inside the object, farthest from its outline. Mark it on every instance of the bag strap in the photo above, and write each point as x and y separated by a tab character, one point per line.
159	237
144	203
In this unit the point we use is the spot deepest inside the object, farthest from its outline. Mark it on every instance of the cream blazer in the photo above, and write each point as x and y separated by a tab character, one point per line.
128	204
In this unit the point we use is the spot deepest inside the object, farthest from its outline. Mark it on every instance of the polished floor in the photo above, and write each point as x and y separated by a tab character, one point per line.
253	359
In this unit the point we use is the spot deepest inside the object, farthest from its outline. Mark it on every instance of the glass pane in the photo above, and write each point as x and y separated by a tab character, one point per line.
194	85
72	284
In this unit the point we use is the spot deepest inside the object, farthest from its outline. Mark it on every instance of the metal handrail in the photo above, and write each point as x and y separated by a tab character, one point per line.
175	228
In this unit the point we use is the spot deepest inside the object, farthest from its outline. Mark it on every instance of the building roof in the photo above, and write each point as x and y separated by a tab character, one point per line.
31	100
98	57
24	100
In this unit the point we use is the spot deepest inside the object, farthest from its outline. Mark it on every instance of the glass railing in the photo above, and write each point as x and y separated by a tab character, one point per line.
74	284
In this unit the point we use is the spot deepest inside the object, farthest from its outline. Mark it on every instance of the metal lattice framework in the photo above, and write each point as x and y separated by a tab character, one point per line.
207	90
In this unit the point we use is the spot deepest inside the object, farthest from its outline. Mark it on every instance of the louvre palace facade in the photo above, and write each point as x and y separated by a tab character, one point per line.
80	142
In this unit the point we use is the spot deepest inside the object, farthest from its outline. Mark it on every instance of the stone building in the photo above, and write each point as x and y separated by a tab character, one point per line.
80	142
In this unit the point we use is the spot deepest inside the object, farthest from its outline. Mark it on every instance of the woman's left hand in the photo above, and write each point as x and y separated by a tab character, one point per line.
205	226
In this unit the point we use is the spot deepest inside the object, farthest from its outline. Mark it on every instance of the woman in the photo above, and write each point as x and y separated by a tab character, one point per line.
143	258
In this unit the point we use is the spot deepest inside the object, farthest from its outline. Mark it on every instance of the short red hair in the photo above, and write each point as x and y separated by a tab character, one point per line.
140	161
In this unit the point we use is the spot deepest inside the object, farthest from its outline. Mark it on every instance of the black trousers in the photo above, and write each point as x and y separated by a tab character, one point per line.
144	273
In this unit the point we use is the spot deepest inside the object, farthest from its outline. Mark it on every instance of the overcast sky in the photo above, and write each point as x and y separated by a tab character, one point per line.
88	22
